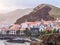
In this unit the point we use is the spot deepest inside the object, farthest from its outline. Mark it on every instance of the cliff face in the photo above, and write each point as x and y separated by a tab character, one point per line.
37	14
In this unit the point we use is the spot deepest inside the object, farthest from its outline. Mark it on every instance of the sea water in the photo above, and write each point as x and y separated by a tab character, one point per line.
3	42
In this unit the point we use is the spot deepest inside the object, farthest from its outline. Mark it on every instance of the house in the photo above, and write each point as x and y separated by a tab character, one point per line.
24	25
52	25
12	32
14	28
34	32
22	33
57	28
3	30
41	27
48	28
30	25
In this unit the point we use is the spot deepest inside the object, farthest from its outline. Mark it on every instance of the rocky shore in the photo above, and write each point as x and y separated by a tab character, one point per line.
49	39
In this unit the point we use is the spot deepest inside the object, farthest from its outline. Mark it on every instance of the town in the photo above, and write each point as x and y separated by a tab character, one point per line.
33	27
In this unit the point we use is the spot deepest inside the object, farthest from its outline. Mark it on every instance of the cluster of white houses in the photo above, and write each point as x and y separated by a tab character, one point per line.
42	25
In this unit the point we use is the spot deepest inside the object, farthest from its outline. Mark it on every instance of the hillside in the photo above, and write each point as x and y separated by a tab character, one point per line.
43	11
55	11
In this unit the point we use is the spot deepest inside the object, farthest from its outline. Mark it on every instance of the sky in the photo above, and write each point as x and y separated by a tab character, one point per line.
9	5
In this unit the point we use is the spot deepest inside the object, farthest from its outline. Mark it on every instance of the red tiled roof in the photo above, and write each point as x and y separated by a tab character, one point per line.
48	28
3	28
31	23
15	27
34	23
57	26
46	22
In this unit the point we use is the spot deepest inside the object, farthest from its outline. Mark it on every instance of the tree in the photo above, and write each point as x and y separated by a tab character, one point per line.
54	31
46	32
18	32
7	31
27	32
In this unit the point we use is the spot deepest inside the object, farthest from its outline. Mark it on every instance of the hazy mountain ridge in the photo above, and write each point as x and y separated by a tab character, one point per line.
11	17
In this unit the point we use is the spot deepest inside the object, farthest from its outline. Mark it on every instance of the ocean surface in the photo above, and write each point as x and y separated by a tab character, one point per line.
3	42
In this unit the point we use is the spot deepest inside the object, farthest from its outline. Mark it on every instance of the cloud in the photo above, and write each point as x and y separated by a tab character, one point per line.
15	4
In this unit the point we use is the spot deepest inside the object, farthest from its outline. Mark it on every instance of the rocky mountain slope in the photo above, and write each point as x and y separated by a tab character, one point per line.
43	11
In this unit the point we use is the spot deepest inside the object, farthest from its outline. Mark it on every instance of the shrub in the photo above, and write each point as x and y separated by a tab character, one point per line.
48	31
27	32
55	31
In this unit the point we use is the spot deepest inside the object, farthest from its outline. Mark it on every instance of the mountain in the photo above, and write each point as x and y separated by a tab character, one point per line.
11	17
43	11
55	11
